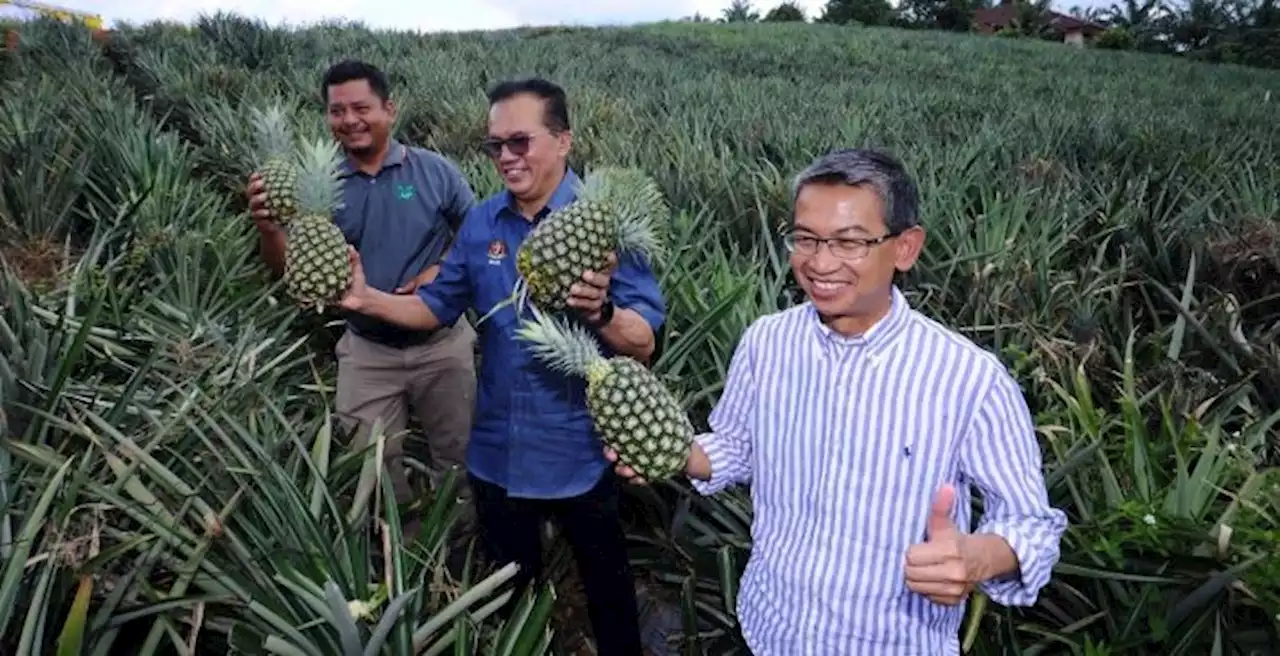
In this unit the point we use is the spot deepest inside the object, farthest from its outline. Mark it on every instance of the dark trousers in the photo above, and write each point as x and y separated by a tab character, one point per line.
511	530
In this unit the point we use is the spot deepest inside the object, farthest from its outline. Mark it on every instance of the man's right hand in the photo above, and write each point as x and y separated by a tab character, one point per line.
696	466
622	470
258	202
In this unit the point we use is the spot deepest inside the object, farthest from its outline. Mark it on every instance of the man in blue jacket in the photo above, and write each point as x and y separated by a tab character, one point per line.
533	452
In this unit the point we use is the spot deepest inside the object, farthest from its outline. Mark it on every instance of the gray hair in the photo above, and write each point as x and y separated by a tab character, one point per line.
862	166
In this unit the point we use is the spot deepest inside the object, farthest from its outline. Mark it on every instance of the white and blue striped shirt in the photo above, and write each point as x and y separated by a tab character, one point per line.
844	442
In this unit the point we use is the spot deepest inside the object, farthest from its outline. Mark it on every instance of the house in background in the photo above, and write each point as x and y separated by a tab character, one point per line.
1070	29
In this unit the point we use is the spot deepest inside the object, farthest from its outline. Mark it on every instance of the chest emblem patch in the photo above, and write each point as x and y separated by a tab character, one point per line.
497	251
405	191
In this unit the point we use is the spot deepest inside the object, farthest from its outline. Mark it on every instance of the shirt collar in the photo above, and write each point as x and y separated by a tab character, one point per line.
396	152
566	192
877	340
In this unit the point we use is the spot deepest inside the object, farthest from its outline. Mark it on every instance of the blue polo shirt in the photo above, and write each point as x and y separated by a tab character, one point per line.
400	219
532	433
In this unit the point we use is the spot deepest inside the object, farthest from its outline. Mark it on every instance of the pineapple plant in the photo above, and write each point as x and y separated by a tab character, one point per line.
273	138
636	415
616	209
317	272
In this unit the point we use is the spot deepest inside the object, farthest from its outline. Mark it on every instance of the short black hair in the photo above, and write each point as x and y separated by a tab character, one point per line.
349	70
556	114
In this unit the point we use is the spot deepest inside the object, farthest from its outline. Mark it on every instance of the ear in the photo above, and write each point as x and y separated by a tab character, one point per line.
391	108
908	247
566	142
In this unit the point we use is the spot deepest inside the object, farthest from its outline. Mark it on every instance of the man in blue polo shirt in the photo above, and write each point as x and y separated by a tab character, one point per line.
401	208
533	450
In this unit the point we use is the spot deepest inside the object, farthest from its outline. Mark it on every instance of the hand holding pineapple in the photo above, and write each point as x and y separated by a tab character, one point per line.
273	187
588	294
622	469
353	300
637	417
256	194
615	210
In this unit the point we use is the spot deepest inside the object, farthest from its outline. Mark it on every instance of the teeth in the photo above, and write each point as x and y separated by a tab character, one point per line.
827	286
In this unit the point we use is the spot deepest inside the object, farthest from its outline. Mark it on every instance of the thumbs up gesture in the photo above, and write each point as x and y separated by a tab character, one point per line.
939	568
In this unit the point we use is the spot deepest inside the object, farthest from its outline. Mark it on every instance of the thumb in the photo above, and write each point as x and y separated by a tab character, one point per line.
357	270
940	512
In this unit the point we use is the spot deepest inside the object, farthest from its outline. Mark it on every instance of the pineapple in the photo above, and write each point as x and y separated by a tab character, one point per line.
615	210
274	141
634	412
317	272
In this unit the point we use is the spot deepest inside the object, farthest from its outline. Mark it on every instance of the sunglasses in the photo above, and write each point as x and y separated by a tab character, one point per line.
518	145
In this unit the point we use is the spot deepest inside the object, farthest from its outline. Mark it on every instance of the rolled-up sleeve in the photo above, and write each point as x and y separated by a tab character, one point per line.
728	444
1001	456
449	295
634	286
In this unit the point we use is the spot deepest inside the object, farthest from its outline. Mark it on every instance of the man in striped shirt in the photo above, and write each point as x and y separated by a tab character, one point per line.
861	426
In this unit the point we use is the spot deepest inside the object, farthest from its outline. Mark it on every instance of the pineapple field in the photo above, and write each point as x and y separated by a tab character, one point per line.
172	480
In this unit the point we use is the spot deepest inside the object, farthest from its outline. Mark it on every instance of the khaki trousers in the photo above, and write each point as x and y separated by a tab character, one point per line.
435	380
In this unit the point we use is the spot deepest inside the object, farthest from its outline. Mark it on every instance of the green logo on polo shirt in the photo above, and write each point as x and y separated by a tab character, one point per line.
404	191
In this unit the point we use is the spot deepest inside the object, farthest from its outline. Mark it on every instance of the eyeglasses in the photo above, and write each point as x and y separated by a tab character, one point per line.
518	145
845	248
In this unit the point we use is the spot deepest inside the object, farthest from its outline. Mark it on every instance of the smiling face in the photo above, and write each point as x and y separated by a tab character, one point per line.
359	119
532	158
850	294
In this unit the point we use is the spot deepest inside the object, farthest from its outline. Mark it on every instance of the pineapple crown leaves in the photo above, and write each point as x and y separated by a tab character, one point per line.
566	348
319	179
636	202
273	133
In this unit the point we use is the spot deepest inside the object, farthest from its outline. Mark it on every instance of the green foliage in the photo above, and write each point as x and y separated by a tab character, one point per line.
1114	38
859	12
784	13
1106	222
171	480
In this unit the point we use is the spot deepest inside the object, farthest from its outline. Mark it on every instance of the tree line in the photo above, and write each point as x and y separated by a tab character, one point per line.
1245	32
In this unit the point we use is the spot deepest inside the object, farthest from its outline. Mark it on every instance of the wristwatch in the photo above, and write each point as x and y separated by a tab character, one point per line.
606	314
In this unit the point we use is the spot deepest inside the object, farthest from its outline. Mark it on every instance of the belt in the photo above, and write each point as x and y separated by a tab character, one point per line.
402	340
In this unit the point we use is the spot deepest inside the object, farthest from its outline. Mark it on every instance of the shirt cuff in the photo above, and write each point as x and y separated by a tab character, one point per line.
724	471
1035	547
650	314
444	316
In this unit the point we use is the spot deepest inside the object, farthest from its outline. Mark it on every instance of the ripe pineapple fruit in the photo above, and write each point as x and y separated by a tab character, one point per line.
274	142
616	210
636	415
317	272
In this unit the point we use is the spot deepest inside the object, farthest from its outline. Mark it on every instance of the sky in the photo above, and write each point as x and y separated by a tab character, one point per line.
426	15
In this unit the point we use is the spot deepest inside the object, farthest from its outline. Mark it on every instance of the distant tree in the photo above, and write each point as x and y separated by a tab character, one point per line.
1131	13
866	12
949	15
1114	38
1091	14
739	11
787	12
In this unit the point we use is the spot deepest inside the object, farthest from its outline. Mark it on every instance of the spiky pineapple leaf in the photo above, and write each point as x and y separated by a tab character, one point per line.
564	347
636	203
319	182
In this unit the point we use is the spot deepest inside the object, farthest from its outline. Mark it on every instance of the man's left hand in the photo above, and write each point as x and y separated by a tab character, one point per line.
423	278
588	295
942	567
